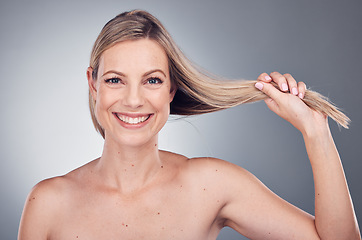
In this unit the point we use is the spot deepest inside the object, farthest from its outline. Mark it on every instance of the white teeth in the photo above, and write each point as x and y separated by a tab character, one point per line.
130	120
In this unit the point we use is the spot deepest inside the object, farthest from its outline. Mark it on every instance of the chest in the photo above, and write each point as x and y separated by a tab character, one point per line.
170	213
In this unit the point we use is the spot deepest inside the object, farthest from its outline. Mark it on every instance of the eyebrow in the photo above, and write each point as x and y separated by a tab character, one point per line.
124	75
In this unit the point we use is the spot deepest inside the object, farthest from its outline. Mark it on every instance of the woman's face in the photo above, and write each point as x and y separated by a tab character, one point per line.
132	91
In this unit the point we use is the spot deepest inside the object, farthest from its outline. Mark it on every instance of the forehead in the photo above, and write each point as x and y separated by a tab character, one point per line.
140	55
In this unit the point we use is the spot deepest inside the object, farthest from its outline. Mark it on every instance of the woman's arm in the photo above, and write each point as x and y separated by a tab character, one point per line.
334	213
253	210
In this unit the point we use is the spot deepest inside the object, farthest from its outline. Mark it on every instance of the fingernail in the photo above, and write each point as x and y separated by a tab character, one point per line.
284	87
267	77
295	91
300	95
259	85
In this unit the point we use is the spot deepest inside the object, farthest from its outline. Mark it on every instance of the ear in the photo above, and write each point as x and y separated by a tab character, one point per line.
172	93
91	83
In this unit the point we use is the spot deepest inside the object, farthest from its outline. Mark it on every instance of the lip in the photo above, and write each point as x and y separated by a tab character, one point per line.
133	115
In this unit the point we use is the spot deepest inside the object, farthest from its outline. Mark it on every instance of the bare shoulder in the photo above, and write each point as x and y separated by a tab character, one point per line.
214	171
44	202
40	207
201	165
57	186
217	167
221	176
197	162
47	189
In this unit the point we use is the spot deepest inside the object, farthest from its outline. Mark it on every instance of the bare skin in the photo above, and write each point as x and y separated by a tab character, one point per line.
136	191
179	203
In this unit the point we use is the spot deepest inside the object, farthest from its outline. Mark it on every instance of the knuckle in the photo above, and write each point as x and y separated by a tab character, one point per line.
302	84
292	81
281	78
287	75
277	77
265	87
269	89
302	88
262	76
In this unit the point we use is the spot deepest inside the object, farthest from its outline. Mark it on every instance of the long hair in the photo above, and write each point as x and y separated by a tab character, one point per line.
197	92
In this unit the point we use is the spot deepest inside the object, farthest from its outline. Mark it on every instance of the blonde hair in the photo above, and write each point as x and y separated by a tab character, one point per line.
197	92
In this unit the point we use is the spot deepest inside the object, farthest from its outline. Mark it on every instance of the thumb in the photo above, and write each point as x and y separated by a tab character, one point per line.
272	105
269	90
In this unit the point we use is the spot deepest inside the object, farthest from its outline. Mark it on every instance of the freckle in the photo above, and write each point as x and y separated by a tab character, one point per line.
204	189
162	166
181	186
216	170
158	213
218	201
162	228
125	170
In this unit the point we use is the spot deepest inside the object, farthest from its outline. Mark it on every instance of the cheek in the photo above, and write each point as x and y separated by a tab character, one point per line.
161	101
107	96
105	99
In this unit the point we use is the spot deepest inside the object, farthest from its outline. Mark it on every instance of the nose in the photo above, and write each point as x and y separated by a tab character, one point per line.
133	97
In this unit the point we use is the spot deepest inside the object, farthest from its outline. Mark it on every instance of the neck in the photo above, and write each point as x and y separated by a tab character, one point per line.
129	168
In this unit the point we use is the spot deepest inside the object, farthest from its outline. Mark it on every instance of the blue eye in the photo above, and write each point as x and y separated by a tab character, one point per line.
154	81
113	80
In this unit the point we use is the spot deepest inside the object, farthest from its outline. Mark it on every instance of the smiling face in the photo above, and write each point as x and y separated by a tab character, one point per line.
132	91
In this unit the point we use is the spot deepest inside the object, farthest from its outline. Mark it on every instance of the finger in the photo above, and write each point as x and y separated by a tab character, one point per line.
301	89
280	80
291	83
269	90
264	77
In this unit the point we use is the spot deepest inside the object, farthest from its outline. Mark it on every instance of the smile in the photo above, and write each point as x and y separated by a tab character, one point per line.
132	120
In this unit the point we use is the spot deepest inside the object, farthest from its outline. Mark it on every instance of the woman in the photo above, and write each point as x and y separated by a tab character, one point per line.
137	77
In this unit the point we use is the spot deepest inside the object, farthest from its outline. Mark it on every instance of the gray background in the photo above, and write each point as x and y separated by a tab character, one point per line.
45	124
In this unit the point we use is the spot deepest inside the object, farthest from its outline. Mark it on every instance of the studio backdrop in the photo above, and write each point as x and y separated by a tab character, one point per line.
46	129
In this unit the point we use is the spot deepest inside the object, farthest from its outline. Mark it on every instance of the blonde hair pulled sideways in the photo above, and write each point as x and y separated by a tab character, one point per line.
197	92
